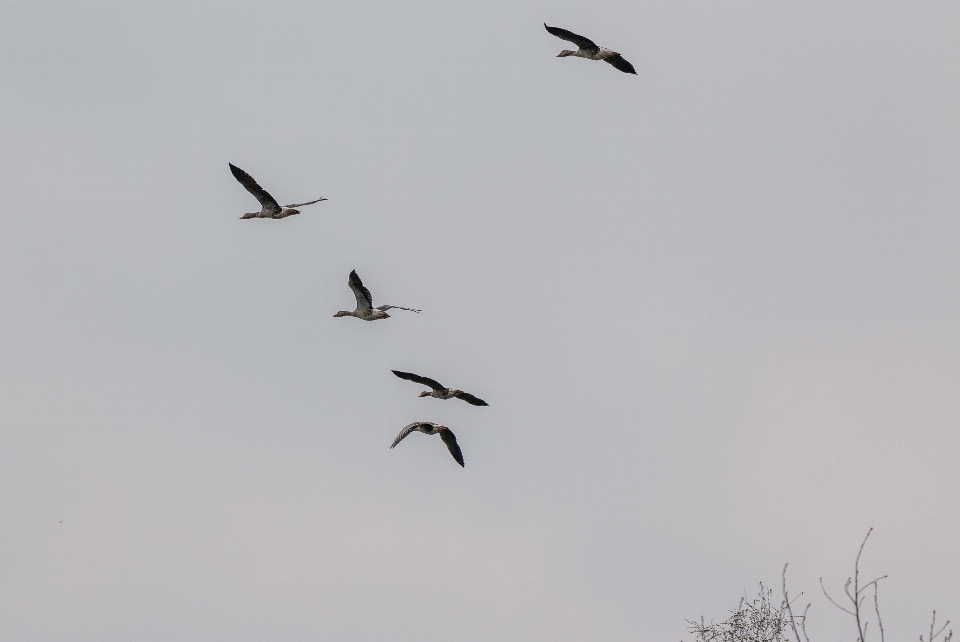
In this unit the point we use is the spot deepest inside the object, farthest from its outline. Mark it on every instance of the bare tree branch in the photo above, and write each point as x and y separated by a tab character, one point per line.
934	636
855	593
832	601
761	620
876	607
803	624
793	619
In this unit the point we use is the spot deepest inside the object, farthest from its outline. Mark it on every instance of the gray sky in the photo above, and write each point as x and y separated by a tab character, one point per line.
714	309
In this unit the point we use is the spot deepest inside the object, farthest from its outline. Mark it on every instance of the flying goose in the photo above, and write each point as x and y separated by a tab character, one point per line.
439	391
430	428
270	207
365	309
588	49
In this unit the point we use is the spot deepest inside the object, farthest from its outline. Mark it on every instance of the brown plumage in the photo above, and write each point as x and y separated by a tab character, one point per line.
269	208
588	49
430	428
365	309
438	391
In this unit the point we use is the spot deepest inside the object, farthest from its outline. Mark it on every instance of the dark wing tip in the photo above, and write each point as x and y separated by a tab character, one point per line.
619	62
246	180
470	399
426	381
451	441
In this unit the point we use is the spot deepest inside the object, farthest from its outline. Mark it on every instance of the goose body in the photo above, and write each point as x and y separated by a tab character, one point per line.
437	391
365	309
430	428
588	49
269	208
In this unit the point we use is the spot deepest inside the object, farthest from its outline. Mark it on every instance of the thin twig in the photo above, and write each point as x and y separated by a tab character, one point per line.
942	628
856	588
803	624
855	592
876	606
868	584
832	601
933	624
786	601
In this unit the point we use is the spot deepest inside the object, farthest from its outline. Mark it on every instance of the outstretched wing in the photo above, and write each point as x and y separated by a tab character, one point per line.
451	441
470	399
426	381
618	61
364	300
302	204
397	307
254	188
569	36
407	430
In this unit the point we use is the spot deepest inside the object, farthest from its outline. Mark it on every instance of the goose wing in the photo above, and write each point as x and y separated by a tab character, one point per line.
364	300
470	399
302	204
451	441
417	425
620	63
426	381
569	36
397	307
254	188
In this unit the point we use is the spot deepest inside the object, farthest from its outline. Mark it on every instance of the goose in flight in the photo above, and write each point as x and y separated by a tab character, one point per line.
270	207
365	309
430	428
439	391
588	49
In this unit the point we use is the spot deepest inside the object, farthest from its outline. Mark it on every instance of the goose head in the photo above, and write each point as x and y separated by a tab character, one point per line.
343	313
425	393
566	52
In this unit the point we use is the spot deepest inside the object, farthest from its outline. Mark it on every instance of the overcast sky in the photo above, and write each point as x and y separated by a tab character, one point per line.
714	308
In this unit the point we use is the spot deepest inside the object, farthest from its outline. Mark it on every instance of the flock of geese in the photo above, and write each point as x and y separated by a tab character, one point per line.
270	208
